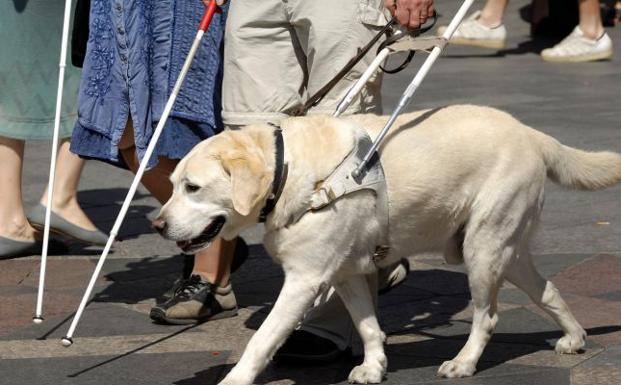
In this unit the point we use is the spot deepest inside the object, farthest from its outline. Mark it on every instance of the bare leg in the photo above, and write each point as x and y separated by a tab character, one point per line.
13	223
493	12
590	19
213	263
65	199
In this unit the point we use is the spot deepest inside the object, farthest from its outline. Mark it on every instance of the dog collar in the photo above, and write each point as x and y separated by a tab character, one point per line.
280	174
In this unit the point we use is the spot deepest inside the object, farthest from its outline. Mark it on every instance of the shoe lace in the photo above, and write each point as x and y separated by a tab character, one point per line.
189	287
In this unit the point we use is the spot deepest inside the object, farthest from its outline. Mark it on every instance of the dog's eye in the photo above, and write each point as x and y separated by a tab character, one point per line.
192	188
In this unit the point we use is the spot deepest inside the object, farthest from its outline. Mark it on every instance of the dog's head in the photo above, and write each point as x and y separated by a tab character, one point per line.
218	189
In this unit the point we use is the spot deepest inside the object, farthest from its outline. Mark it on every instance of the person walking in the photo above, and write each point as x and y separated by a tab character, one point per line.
31	34
278	53
134	55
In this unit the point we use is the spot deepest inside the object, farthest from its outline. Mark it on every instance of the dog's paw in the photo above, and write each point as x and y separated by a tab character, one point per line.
366	374
456	369
570	344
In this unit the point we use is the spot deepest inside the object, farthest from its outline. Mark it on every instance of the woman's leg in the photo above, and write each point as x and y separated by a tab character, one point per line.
13	222
213	263
589	42
590	19
493	12
65	200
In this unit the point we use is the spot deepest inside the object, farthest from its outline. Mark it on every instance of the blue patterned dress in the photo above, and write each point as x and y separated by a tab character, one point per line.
135	51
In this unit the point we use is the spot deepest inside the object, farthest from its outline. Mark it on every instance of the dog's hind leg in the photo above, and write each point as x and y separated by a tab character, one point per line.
297	294
489	245
357	297
542	292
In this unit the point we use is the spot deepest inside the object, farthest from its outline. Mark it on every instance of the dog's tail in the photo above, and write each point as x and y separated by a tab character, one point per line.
579	169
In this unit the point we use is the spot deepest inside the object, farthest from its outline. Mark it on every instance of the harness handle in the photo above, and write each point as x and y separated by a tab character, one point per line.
395	37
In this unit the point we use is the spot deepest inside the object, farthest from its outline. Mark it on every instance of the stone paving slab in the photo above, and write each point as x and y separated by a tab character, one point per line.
177	368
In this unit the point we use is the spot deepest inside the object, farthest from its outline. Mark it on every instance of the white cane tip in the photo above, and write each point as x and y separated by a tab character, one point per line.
66	342
37	320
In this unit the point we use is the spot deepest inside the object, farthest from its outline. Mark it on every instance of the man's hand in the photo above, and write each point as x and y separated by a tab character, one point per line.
219	2
410	13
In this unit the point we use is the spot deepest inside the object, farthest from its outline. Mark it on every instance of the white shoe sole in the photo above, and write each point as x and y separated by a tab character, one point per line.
605	55
483	43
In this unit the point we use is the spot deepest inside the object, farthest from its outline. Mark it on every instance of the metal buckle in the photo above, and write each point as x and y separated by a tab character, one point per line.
321	198
381	252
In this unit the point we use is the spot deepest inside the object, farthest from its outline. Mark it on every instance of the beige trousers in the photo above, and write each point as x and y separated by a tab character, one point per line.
279	52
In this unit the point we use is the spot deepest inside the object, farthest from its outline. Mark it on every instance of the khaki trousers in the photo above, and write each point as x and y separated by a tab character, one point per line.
279	52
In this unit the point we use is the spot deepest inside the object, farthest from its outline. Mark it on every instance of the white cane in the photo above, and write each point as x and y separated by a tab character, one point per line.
205	21
38	318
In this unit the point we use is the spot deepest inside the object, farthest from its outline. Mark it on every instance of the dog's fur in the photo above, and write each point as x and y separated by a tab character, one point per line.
464	181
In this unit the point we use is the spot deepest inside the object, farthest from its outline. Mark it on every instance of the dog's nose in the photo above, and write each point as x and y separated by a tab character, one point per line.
159	225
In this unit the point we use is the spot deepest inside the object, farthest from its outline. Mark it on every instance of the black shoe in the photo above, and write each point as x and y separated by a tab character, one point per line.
196	301
240	255
303	347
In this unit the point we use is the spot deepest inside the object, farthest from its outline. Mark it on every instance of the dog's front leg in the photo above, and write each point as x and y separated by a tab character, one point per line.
297	294
357	297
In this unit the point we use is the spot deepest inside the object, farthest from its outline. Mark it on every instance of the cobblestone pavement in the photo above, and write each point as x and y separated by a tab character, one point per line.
578	246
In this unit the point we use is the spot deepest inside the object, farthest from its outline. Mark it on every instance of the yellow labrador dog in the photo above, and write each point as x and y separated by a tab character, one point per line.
465	181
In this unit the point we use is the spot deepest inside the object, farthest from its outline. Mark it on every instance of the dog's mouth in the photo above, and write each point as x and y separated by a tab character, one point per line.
205	238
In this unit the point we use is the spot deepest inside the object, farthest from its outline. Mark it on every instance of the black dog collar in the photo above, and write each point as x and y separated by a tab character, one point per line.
280	175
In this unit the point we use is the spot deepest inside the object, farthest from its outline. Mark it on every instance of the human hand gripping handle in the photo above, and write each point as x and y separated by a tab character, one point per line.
212	8
410	13
218	2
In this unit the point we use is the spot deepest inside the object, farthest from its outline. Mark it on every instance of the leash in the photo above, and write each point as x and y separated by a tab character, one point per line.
319	95
391	38
396	37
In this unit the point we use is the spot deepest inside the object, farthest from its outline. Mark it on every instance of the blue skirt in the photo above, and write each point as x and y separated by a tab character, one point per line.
135	52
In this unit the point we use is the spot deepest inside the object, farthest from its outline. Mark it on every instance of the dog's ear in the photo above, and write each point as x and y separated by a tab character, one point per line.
249	183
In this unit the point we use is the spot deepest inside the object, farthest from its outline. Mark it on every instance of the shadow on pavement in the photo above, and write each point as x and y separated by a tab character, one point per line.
103	206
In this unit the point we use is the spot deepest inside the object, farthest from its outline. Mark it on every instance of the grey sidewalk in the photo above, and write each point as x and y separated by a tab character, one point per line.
578	245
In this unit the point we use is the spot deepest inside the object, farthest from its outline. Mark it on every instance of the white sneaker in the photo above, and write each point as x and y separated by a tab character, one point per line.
471	32
578	48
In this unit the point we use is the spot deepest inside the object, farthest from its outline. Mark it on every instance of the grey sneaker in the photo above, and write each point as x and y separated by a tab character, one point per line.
196	301
240	255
